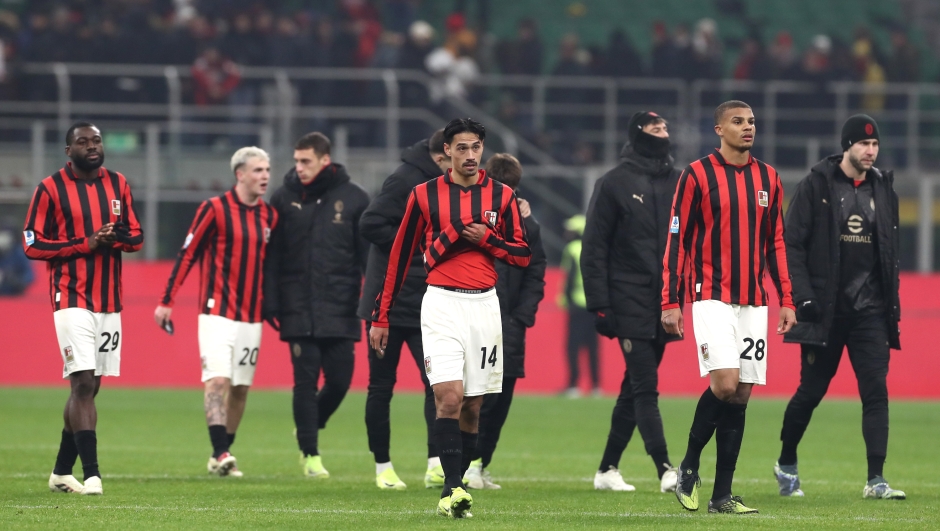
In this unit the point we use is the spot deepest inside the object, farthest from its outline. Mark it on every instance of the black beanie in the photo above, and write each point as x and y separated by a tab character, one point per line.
859	127
638	120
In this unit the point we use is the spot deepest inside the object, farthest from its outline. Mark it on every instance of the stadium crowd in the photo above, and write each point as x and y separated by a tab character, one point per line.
366	33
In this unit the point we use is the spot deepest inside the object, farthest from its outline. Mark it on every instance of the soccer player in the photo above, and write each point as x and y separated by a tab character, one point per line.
228	237
312	280
726	230
80	221
519	289
463	221
621	263
842	246
420	163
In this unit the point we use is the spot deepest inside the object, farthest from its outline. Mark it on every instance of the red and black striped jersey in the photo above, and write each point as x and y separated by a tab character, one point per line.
229	239
65	211
437	212
726	229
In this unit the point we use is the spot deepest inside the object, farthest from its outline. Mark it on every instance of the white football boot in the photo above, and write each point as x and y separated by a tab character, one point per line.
92	487
669	480
64	483
611	480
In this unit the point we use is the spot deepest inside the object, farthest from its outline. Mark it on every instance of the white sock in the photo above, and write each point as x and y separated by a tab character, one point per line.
382	467
434	462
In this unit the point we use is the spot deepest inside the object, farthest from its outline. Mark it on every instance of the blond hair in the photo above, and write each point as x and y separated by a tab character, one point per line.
241	157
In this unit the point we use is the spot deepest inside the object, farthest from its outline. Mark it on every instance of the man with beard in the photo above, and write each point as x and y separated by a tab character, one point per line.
420	163
80	220
621	264
312	277
842	247
229	296
463	222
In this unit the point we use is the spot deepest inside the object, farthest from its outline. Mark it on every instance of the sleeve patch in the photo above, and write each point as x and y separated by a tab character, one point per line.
30	237
674	226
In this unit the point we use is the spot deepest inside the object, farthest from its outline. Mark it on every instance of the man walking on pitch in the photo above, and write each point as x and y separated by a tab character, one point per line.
228	236
621	263
420	163
312	279
726	228
519	289
463	222
80	221
842	246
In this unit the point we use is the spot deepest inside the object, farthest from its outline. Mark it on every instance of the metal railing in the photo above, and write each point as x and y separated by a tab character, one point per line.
797	122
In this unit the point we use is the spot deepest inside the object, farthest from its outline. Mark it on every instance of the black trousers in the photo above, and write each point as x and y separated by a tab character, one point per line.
581	333
383	373
867	340
638	403
313	408
493	414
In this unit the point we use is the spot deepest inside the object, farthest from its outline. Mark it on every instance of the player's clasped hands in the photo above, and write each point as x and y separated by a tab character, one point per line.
103	236
474	232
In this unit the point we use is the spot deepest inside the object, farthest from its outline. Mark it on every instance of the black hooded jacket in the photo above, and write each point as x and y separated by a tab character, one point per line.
314	263
379	224
813	251
624	242
520	289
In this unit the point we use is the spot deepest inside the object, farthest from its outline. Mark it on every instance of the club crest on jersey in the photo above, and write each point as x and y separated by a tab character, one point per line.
704	349
674	226
29	236
116	207
762	198
267	234
490	216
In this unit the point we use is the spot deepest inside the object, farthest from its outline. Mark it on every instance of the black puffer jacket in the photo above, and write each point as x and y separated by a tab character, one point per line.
314	263
379	224
812	238
520	289
625	240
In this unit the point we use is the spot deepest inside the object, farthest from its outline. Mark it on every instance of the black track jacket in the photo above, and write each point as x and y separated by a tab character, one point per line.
812	237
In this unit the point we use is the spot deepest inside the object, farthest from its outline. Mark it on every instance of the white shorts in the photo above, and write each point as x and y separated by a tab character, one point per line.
228	349
462	335
730	336
88	341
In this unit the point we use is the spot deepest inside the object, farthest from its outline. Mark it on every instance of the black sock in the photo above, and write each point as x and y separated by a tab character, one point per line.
469	443
231	439
68	453
707	413
787	454
382	456
432	450
728	438
219	439
876	466
86	442
447	433
661	460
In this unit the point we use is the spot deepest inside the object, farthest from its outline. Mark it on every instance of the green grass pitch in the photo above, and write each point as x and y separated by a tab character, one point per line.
153	447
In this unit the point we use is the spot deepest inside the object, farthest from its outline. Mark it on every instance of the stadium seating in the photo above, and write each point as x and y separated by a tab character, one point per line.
593	20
